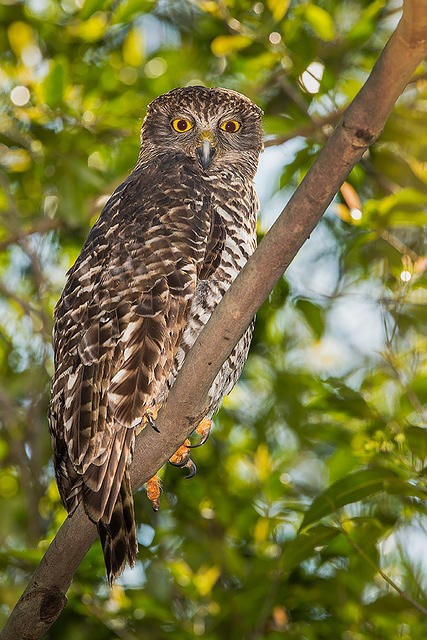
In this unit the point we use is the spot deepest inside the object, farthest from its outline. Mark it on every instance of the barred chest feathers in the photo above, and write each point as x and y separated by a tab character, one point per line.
238	216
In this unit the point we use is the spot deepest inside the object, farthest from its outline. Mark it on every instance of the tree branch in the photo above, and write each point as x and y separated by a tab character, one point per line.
42	226
361	125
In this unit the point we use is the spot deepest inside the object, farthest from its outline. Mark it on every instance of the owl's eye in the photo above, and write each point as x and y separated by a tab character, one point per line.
231	126
181	125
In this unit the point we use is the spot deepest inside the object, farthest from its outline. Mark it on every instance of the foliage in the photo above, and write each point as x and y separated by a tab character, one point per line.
307	517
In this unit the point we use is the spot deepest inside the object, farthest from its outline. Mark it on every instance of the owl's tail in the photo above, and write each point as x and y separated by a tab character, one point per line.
118	537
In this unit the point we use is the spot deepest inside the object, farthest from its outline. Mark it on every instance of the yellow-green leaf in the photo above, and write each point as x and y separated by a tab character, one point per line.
320	21
205	579
20	36
278	8
224	45
89	30
133	48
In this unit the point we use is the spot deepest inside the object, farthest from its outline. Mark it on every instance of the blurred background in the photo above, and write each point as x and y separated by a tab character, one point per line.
308	511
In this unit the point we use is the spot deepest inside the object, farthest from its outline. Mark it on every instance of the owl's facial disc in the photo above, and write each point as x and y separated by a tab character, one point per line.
205	150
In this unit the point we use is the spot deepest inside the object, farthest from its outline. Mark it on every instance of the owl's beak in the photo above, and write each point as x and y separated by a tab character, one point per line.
205	151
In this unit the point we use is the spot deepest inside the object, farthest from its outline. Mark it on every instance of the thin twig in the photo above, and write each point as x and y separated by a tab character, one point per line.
383	575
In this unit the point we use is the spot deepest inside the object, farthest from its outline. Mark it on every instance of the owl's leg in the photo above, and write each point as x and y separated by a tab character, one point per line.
152	488
203	429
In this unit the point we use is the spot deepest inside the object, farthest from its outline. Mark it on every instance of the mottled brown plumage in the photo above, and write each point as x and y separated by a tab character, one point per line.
166	247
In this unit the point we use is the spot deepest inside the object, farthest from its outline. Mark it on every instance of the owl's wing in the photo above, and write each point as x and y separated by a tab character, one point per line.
118	326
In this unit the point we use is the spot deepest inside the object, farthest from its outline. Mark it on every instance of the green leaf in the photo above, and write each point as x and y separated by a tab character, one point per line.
398	209
55	83
417	441
354	487
320	21
313	314
304	545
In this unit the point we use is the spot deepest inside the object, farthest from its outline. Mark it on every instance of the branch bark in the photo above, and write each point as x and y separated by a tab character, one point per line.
361	125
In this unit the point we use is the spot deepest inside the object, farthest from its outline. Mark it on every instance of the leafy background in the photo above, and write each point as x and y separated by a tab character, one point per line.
308	513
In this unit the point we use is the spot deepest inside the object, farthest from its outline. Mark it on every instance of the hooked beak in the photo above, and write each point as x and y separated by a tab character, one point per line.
205	152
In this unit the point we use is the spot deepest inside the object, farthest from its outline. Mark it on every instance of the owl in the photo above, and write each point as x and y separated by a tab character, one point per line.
166	247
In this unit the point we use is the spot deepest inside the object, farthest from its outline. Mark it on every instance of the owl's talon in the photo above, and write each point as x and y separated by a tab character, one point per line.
181	458
192	467
181	455
203	429
151	422
152	488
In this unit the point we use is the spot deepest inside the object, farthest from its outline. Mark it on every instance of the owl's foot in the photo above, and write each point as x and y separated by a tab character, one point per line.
181	458
203	429
152	488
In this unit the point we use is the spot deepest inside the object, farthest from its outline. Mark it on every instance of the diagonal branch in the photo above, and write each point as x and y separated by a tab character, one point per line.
361	125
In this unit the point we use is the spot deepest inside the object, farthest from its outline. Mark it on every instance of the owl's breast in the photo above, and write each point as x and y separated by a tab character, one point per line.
236	218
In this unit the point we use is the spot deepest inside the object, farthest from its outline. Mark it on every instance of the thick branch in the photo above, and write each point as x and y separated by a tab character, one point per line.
362	123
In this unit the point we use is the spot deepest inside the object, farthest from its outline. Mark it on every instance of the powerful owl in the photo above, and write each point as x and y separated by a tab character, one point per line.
166	247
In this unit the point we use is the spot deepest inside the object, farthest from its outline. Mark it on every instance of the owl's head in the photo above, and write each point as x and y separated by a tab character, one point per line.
217	128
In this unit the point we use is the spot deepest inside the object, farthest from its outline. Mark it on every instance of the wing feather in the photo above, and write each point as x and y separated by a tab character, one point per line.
118	325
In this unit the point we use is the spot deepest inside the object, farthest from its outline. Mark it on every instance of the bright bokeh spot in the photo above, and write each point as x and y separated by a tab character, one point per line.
405	276
88	117
312	77
31	55
20	96
274	37
356	214
155	68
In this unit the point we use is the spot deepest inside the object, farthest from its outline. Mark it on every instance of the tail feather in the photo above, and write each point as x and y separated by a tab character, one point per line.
118	536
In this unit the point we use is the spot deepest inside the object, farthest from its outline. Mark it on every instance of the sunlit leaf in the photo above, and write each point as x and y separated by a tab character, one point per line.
320	21
90	30
133	48
224	45
20	36
206	578
278	8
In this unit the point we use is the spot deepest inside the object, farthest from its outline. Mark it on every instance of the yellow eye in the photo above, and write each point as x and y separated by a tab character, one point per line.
181	125
231	126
